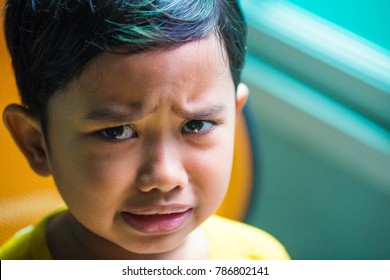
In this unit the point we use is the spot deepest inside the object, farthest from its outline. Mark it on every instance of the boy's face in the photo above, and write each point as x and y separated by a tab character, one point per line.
141	146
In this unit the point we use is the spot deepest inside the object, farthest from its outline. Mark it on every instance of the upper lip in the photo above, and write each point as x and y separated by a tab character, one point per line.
160	210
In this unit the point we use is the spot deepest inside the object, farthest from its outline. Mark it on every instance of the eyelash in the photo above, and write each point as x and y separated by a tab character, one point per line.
106	131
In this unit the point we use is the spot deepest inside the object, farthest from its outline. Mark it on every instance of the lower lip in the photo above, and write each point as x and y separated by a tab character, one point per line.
156	224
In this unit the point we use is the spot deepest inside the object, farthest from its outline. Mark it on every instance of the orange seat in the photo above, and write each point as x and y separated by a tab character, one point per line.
26	197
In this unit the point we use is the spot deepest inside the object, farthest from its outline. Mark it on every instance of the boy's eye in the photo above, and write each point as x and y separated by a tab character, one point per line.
197	127
122	132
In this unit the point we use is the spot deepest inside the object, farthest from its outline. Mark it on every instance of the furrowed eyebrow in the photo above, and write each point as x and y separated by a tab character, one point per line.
134	111
119	114
203	113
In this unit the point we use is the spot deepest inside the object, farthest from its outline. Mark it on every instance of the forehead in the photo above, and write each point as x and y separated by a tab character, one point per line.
201	62
183	78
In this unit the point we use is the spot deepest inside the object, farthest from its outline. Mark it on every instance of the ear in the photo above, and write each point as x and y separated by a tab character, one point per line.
27	134
241	96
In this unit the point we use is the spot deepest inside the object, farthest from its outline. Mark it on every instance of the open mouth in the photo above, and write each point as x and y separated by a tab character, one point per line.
157	223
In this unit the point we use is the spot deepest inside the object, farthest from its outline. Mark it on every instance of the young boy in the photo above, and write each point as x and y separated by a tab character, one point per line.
130	105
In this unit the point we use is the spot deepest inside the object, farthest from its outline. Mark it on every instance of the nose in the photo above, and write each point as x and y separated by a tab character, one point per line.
162	167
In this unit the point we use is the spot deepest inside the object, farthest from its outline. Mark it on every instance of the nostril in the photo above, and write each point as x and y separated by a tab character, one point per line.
162	188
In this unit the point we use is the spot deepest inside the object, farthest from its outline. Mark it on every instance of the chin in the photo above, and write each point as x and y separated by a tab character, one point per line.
151	247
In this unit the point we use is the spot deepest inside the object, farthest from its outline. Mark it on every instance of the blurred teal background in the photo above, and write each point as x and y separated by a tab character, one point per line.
366	18
319	115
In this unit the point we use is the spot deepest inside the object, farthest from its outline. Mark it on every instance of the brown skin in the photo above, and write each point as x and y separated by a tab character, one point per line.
162	164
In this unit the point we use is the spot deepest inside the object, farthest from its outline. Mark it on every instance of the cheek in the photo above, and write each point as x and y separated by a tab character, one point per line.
108	169
211	174
90	181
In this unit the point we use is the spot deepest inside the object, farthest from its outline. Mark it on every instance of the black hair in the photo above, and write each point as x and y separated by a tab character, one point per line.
51	41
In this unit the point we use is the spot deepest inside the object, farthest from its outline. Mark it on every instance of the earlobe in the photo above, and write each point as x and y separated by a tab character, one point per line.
241	96
27	134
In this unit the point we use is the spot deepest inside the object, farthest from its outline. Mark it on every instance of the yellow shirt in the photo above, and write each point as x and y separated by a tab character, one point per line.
228	240
233	240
